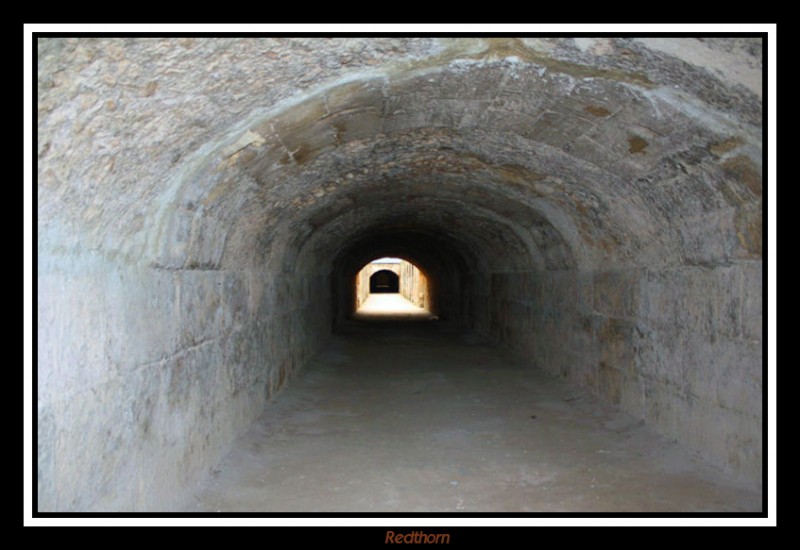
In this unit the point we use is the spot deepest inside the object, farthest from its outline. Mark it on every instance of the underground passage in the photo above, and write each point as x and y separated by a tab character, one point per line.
399	274
384	282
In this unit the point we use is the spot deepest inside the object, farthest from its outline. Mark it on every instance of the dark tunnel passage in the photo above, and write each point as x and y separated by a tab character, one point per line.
585	211
384	282
446	267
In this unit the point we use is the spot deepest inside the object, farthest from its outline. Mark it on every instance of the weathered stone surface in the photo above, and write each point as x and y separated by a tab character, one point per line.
204	204
46	489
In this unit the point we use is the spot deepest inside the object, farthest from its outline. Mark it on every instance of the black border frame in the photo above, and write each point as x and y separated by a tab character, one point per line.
35	35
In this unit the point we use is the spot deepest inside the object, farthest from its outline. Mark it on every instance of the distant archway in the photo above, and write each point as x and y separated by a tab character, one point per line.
384	281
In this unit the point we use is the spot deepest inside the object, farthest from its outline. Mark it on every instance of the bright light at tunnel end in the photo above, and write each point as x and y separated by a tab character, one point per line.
386	261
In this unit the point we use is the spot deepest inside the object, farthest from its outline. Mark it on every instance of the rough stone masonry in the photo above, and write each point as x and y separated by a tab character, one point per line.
205	203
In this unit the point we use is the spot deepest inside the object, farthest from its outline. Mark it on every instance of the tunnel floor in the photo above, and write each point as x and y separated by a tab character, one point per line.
390	307
414	418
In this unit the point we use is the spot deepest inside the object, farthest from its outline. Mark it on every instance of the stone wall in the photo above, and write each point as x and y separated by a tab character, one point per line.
679	348
414	285
156	373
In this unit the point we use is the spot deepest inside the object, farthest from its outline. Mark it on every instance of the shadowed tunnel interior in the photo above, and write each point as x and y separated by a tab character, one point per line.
384	282
204	206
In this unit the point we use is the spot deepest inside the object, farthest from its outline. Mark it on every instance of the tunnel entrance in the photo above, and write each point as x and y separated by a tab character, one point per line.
438	273
384	282
391	289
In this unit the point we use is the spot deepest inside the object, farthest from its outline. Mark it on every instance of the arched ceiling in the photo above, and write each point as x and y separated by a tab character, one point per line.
529	153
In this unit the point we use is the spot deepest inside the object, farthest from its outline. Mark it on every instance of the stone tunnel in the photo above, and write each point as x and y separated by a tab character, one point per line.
591	208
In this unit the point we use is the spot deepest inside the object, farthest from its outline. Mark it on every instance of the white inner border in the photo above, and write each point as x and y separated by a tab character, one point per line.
408	29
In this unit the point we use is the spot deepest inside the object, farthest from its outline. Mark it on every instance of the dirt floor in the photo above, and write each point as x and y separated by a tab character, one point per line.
411	417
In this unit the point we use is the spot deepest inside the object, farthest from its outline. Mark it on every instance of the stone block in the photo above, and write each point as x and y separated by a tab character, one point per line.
94	437
709	239
725	302
585	292
300	118
268	158
360	94
46	429
616	293
615	340
703	429
662	407
146	303
752	301
739	378
355	125
558	129
209	236
701	371
632	396
73	308
174	245
743	444
404	118
235	300
664	355
610	382
50	318
521	124
657	305
199	306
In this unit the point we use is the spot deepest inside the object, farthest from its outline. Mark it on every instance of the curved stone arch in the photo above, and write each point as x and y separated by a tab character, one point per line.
384	281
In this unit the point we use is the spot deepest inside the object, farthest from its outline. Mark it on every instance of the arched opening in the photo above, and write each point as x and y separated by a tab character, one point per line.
447	284
391	288
384	282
